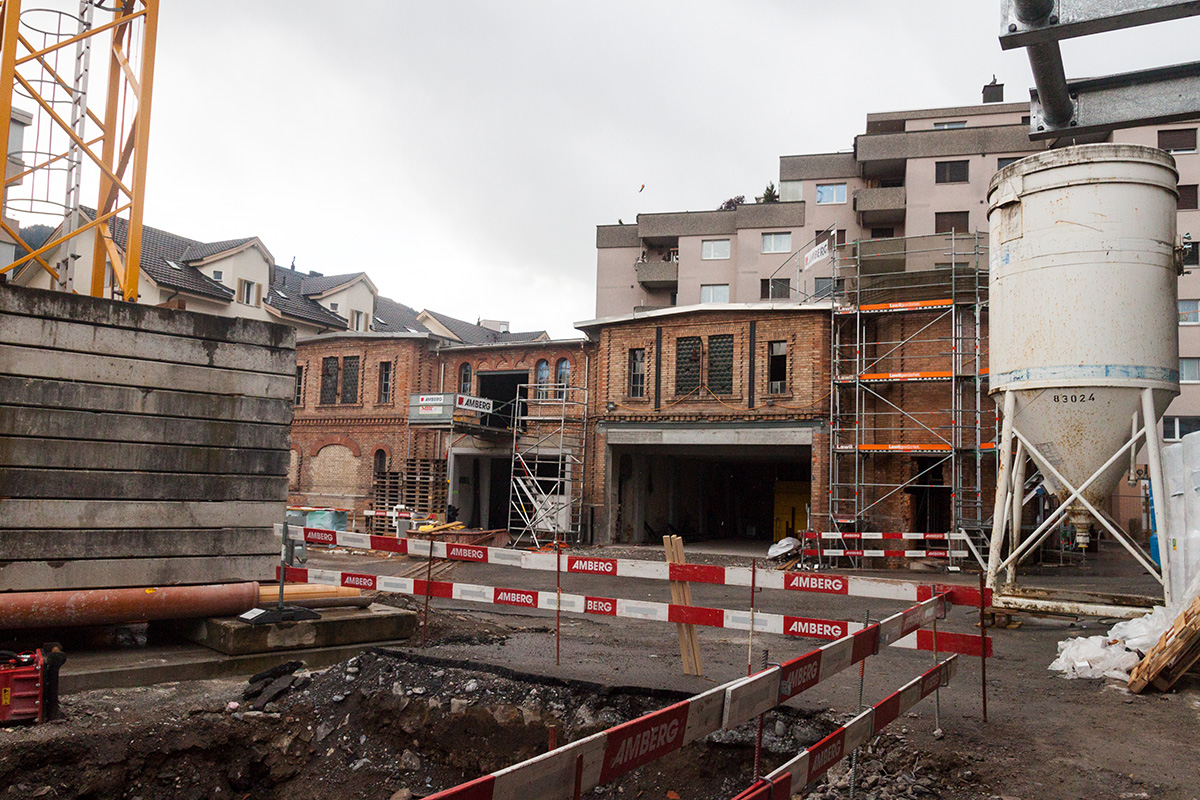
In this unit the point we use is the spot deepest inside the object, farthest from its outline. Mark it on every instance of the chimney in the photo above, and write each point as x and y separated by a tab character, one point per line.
312	273
993	92
500	326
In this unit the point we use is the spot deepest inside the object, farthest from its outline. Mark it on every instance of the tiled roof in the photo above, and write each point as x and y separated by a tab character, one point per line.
393	317
477	334
286	296
199	251
319	284
159	247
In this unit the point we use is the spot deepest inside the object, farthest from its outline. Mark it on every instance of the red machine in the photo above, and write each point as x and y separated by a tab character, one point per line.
22	684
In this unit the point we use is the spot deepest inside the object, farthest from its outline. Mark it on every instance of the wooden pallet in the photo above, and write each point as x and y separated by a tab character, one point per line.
1173	655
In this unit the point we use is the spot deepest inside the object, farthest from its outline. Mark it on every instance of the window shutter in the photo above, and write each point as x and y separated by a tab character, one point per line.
258	294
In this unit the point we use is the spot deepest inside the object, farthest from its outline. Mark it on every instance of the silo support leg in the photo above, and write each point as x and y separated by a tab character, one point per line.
1158	491
1017	492
1000	510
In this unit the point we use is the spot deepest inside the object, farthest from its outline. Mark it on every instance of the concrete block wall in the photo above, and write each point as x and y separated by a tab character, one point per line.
139	446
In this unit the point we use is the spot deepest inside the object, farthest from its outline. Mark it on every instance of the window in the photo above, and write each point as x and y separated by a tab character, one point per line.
637	372
249	293
1191	256
350	380
542	378
380	461
947	221
333	307
776	367
720	363
687	364
1177	140
1004	161
791	191
1189	370
562	373
945	126
299	386
358	321
385	381
217	275
329	380
952	171
822	288
823	236
464	379
1189	312
1175	428
777	243
1187	197
775	288
831	193
714	249
714	293
883	233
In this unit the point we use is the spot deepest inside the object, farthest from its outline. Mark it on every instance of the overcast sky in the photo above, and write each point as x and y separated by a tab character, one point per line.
462	153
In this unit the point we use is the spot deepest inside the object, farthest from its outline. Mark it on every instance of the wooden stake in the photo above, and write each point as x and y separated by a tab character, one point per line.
681	594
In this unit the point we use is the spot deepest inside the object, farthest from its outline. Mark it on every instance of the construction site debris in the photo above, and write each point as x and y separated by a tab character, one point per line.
1172	655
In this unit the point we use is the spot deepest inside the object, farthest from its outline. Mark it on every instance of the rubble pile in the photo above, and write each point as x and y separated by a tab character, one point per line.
889	769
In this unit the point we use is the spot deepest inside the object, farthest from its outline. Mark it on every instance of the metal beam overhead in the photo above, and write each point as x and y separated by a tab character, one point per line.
1067	19
1147	97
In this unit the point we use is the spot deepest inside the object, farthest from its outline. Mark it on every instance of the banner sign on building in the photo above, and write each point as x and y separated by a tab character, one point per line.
468	403
818	253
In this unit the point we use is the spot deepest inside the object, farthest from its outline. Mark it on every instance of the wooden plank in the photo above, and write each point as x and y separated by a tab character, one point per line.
66	544
17	482
692	637
33	576
143	457
39	363
77	337
47	423
1164	663
18	391
681	594
685	652
48	514
115	314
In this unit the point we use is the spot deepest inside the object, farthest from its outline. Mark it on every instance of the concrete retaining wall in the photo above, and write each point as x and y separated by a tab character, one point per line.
139	446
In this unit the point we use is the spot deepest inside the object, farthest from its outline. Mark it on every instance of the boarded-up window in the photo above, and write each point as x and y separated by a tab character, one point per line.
350	379
293	470
329	380
1187	197
720	363
687	364
1177	140
947	221
952	171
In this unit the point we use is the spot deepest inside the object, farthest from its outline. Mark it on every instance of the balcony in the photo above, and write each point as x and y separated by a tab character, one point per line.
657	274
880	206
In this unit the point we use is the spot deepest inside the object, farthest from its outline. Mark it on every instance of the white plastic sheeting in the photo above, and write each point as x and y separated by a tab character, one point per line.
1114	655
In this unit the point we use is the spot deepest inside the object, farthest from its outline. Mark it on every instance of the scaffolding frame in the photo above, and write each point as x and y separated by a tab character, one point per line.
548	456
940	283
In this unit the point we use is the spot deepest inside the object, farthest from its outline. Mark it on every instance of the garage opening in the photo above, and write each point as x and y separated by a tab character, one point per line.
711	493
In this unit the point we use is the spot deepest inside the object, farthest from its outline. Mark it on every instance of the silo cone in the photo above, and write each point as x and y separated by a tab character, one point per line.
1084	315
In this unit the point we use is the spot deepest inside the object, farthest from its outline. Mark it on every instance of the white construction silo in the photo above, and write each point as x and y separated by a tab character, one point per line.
1083	326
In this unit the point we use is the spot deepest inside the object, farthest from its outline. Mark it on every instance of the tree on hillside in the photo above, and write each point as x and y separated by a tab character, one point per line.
732	203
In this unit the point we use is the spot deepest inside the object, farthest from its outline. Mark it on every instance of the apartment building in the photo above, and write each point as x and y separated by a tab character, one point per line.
911	420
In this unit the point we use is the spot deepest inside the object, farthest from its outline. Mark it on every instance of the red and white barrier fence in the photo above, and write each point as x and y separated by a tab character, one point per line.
818	582
581	766
629	609
814	761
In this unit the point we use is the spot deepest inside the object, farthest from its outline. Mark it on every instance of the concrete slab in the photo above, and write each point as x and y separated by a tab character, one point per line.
336	627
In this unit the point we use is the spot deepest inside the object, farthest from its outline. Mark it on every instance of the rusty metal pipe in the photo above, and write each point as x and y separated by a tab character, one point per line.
111	606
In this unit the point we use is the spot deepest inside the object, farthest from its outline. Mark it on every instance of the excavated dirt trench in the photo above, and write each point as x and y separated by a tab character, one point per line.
382	723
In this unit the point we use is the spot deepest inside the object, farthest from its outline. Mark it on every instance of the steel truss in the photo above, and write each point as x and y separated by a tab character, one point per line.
910	311
546	494
112	141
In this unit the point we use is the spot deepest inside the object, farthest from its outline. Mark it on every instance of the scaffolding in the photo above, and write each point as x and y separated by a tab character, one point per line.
910	440
546	496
